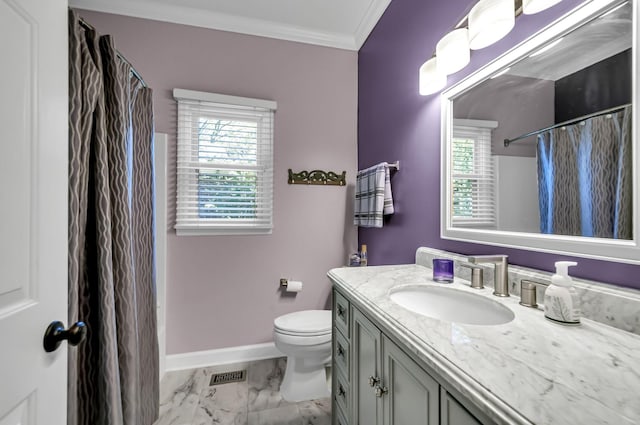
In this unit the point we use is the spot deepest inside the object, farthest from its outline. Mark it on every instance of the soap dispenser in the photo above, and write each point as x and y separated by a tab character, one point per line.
560	298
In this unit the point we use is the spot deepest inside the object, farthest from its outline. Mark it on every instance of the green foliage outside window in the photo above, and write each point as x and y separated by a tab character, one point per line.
463	188
225	192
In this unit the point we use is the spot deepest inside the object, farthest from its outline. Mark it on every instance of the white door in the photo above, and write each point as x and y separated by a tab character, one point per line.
33	209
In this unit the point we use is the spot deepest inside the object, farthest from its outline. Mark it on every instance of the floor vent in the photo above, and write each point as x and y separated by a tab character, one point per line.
228	377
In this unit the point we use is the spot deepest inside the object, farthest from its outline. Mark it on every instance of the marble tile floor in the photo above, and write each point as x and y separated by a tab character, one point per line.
187	399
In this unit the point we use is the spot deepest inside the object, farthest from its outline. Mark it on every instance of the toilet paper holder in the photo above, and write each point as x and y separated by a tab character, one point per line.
292	286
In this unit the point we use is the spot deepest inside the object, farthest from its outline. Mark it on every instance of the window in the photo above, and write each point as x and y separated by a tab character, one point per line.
225	164
472	174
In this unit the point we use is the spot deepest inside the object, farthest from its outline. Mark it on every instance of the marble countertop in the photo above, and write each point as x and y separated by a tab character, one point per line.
529	370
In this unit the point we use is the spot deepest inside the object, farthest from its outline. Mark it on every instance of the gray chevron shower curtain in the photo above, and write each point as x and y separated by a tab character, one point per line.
585	180
113	374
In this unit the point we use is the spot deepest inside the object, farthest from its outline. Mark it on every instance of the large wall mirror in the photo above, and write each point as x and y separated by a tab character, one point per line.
539	147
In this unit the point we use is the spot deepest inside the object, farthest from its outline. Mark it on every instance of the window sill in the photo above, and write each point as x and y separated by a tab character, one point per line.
204	231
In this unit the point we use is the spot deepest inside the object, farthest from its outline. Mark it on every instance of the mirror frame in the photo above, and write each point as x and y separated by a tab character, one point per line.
624	251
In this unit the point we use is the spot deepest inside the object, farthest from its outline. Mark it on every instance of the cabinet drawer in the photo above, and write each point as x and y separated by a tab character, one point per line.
341	313
341	353
341	392
338	418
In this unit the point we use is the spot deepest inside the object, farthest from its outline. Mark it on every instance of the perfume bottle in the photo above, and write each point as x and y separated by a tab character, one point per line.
363	255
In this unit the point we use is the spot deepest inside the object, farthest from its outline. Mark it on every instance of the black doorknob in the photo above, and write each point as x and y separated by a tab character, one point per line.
56	333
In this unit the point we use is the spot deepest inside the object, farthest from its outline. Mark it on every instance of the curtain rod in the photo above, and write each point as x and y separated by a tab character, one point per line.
507	142
120	55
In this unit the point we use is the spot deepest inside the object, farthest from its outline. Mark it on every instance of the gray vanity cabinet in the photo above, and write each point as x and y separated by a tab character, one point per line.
366	352
412	397
341	361
453	413
376	383
388	388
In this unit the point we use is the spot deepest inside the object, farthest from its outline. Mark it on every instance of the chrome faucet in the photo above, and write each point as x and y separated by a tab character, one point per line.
500	274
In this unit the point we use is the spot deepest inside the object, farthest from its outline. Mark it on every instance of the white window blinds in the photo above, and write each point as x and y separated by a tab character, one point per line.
472	175
225	164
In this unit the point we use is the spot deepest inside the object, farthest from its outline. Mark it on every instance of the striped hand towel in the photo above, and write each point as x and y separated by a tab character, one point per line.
373	196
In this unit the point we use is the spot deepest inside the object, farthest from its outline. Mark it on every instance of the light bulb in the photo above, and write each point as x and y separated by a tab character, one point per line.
489	21
432	80
529	7
453	51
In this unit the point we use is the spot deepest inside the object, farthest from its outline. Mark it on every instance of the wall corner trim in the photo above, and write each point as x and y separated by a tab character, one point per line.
243	353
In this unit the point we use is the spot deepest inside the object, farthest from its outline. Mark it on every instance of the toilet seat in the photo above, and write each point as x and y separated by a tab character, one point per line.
301	341
308	323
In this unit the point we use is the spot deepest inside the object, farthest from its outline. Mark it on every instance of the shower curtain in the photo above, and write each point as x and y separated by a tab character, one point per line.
113	375
585	178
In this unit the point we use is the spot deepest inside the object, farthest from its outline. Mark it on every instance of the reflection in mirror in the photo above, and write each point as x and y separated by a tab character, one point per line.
545	144
539	146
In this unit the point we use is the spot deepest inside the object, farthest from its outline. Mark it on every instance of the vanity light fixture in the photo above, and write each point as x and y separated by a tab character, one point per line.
432	79
489	21
546	48
529	7
453	51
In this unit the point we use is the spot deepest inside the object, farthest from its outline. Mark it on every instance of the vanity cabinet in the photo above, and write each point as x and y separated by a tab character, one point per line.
387	386
341	361
376	383
453	413
413	393
367	370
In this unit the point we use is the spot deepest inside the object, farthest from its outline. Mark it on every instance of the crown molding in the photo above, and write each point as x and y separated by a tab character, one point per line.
370	19
232	23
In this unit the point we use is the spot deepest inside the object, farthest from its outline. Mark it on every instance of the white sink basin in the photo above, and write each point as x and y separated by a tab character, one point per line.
451	305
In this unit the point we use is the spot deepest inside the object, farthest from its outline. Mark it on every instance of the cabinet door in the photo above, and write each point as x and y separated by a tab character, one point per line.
453	413
365	365
412	396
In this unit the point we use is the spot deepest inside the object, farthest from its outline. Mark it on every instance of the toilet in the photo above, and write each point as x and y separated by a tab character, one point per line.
305	338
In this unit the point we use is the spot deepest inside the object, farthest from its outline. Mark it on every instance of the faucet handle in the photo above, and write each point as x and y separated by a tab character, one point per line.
528	292
477	259
477	275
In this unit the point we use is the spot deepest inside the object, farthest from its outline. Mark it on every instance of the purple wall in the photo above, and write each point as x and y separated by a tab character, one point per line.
223	291
396	123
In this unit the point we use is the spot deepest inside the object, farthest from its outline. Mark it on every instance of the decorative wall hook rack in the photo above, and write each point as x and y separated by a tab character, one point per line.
318	177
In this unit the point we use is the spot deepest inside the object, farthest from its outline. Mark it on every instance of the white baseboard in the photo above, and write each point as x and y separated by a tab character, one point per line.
222	356
162	355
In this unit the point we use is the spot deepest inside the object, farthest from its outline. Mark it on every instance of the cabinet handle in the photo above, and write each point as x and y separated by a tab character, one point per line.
380	391
341	392
373	381
340	311
340	351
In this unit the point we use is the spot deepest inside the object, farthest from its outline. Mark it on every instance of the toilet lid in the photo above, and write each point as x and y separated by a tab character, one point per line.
308	322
